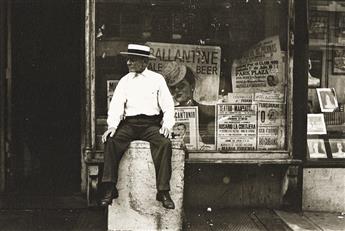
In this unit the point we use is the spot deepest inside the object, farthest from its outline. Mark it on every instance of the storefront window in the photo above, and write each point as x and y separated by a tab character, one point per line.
225	62
326	80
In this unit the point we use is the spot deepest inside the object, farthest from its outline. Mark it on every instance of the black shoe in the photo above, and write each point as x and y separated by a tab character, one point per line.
109	193
164	197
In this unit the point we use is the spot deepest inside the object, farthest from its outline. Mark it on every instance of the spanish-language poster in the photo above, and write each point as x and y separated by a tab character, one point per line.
111	85
244	98
236	128
270	96
271	126
316	124
204	61
186	126
260	68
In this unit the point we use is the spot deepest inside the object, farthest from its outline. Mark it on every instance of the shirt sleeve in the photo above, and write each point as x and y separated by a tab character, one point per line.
166	103
117	105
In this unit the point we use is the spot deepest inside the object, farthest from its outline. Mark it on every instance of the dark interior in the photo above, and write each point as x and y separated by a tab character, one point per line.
47	51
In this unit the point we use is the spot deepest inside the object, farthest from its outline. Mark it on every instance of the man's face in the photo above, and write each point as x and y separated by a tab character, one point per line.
182	92
136	63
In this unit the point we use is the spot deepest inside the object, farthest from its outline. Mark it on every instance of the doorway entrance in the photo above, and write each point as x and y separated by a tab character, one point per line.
46	92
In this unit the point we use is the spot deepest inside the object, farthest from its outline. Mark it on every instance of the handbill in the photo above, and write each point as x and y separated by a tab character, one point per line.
236	127
204	61
186	126
270	96
244	98
271	126
260	68
111	85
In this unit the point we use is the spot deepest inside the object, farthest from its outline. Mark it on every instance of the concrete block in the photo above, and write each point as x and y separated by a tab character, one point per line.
137	208
323	189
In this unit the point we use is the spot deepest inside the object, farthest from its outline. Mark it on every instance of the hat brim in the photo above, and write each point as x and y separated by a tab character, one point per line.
136	54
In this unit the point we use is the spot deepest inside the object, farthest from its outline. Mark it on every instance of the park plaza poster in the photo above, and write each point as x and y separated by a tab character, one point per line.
261	68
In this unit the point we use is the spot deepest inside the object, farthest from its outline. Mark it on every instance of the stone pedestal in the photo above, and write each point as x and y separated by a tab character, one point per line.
136	207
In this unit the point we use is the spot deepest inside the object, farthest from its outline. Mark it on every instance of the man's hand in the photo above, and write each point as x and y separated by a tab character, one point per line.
164	131
110	131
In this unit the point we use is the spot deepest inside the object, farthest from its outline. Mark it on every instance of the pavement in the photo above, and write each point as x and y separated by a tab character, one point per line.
95	219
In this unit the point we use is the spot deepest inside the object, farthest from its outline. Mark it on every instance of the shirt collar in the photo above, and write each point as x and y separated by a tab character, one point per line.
144	73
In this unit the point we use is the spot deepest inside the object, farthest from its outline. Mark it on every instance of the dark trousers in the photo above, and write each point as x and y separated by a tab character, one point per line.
139	128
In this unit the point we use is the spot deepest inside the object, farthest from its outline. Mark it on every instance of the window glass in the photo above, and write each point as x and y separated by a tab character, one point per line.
326	80
225	63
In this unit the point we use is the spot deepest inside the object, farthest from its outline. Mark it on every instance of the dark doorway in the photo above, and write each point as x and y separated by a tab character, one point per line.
47	79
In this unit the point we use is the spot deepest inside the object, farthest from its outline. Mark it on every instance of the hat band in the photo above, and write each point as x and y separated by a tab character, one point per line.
138	51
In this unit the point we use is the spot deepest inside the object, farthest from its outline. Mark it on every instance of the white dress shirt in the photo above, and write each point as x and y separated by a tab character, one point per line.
145	93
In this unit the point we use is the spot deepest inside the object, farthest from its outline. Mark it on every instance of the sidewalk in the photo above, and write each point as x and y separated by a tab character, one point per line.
262	219
195	219
313	220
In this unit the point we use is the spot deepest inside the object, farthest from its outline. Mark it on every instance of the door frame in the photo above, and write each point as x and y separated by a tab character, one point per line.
5	89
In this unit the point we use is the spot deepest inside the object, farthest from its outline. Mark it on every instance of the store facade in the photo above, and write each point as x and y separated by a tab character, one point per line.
247	117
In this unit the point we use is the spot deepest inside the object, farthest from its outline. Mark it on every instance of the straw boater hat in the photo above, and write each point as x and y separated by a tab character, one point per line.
138	50
173	72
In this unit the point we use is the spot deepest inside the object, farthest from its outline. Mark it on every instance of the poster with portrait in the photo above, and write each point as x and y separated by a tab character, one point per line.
111	85
327	99
199	65
316	124
337	147
186	126
260	68
271	126
316	148
236	127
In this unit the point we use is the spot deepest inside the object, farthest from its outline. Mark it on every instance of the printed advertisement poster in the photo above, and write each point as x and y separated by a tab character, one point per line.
186	126
197	66
316	124
236	128
270	96
260	68
271	126
111	85
244	98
